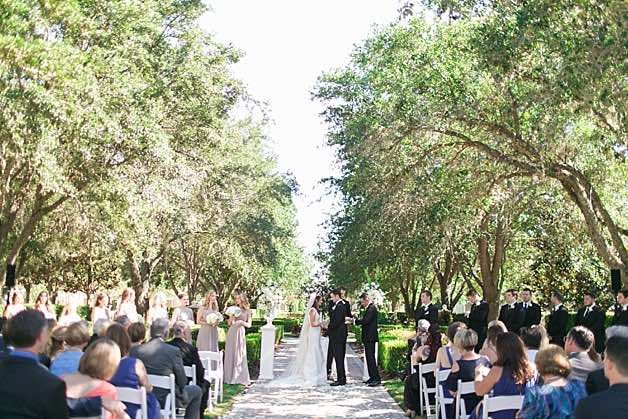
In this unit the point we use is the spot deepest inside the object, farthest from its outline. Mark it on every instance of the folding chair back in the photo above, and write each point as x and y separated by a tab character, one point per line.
168	383
135	396
499	403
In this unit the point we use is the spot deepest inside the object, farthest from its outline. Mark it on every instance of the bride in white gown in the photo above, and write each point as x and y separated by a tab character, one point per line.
308	368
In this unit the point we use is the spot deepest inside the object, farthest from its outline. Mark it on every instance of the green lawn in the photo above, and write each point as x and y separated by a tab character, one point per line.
395	389
221	409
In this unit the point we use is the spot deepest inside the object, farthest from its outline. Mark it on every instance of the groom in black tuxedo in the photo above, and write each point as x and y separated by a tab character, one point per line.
370	336
330	305
337	333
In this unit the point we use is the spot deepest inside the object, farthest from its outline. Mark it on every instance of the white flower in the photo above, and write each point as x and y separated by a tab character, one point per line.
214	318
233	311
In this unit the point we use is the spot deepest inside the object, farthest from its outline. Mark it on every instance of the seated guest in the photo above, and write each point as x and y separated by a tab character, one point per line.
123	320
578	345
67	361
100	327
596	380
464	368
489	350
558	396
98	364
159	358
534	338
181	336
26	389
56	342
422	349
612	403
511	374
448	353
131	372
137	333
445	358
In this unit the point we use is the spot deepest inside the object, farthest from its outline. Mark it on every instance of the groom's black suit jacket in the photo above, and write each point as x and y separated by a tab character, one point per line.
369	324
337	329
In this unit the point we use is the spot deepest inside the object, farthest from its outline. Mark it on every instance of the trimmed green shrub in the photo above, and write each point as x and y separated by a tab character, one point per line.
391	355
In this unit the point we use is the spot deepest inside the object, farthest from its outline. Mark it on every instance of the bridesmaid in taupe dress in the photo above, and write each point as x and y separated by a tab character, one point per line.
207	339
236	367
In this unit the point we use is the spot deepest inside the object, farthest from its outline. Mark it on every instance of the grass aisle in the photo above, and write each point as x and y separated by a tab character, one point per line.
221	409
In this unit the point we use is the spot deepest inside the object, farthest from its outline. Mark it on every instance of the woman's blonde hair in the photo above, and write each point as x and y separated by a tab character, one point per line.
100	360
466	339
206	302
552	360
244	301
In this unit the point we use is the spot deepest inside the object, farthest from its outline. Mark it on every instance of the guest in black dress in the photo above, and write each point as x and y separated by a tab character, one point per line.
464	368
421	350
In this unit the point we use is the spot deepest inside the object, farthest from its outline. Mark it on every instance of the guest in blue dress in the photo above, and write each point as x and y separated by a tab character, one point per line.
558	396
67	361
445	358
131	372
464	368
511	375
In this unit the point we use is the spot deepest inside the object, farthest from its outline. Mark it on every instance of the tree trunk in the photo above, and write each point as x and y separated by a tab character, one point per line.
490	265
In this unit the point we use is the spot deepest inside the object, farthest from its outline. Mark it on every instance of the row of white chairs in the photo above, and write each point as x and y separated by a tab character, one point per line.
490	404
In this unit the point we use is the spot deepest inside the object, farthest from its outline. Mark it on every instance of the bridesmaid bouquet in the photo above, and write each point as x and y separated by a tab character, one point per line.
214	318
233	311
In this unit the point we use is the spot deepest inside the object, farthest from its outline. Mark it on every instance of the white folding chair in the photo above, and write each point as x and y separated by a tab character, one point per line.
441	400
425	391
168	383
214	373
499	403
467	387
135	396
190	372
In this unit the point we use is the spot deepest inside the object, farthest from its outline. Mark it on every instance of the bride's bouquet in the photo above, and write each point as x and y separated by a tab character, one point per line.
233	311
214	318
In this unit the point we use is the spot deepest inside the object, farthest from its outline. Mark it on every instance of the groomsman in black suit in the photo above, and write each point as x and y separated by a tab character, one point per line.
370	336
478	317
426	310
511	313
592	317
337	333
557	320
531	310
346	305
620	318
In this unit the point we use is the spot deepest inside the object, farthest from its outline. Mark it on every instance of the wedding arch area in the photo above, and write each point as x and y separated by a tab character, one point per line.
222	162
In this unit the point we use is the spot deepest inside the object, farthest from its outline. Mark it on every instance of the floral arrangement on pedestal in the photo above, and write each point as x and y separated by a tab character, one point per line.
374	292
271	298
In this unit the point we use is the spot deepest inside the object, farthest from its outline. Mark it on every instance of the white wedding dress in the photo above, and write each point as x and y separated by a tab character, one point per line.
308	368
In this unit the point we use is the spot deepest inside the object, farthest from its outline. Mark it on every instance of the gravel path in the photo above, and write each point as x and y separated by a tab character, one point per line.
355	400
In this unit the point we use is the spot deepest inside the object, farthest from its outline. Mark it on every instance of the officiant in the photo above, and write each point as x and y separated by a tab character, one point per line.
370	336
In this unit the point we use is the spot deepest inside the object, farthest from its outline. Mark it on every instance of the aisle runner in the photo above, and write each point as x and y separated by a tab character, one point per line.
355	400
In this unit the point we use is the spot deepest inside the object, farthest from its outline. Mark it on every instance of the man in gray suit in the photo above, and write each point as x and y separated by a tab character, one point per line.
159	358
578	343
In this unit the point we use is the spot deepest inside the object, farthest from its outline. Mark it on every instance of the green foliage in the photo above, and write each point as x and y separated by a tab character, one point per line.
122	162
473	149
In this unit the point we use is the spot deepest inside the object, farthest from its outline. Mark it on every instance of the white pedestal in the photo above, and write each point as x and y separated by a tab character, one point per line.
267	358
